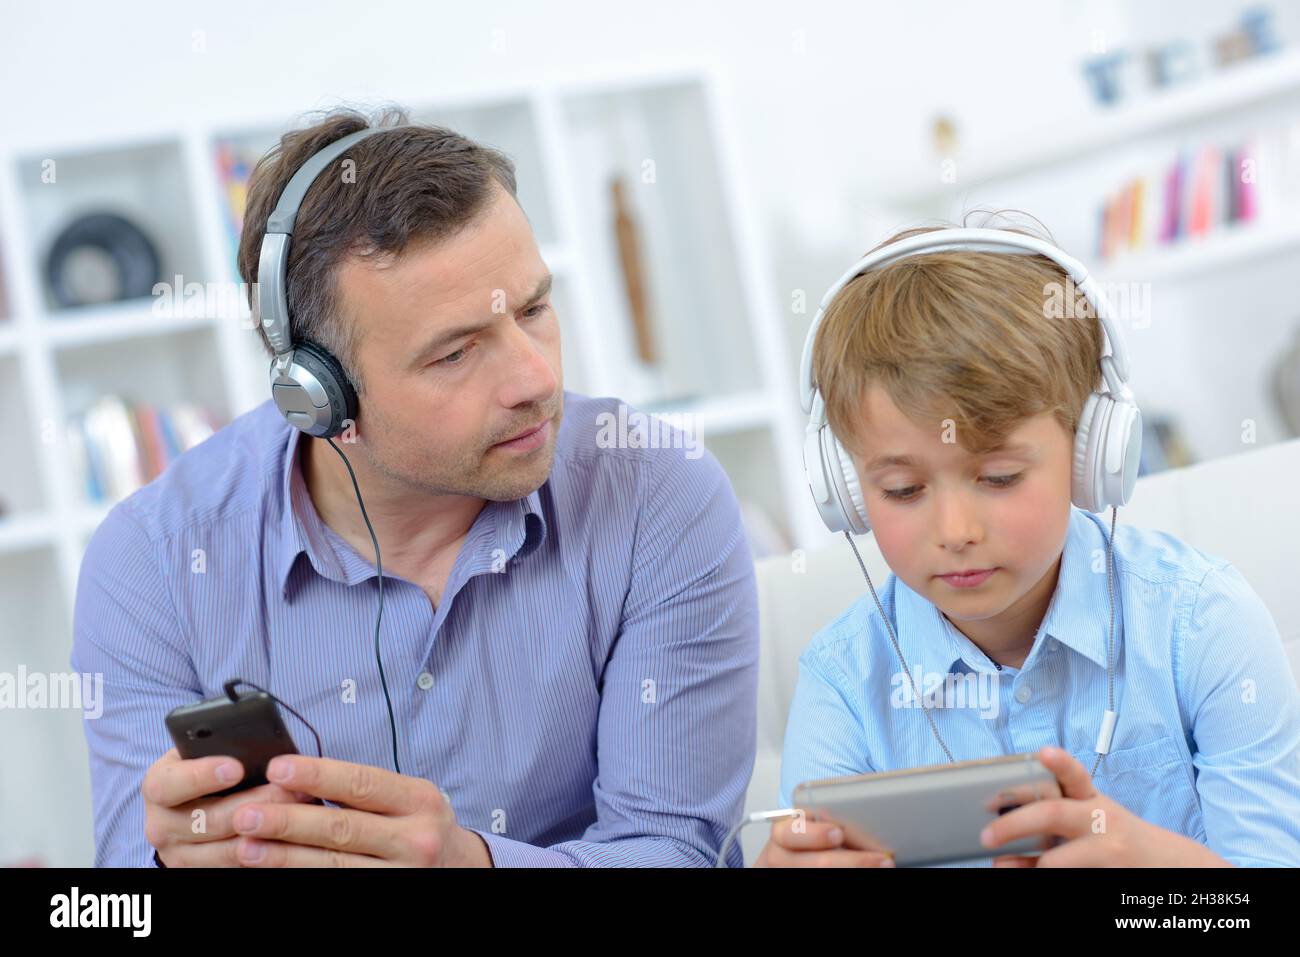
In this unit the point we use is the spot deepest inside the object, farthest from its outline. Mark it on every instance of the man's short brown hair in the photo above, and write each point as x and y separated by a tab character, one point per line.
957	335
414	185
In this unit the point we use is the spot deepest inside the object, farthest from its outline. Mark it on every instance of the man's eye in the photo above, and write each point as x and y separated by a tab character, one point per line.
537	310
453	358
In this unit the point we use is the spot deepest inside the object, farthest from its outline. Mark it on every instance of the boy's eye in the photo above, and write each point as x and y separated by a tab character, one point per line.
901	494
909	493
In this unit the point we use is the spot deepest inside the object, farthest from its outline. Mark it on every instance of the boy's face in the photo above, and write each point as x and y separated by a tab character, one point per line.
1007	510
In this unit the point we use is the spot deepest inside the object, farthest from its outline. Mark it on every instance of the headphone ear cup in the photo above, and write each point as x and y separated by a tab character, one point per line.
845	487
1126	430
1084	491
342	398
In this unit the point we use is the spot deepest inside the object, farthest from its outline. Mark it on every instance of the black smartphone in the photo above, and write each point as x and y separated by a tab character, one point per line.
249	730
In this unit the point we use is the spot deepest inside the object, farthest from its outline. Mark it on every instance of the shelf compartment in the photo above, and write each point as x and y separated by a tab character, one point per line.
164	372
659	142
146	183
21	486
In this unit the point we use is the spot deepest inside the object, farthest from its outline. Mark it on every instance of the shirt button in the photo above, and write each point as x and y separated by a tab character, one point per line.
1023	693
425	681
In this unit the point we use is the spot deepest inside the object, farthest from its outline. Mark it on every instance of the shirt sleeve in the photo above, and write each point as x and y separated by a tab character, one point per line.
125	629
1239	692
824	734
678	721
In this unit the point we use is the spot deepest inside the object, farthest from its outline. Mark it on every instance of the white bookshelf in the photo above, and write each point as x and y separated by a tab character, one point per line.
1220	308
1195	257
1272	79
722	353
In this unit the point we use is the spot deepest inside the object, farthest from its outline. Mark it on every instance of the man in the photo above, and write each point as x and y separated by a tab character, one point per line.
569	631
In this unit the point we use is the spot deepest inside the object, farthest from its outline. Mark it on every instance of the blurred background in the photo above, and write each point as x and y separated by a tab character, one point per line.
697	175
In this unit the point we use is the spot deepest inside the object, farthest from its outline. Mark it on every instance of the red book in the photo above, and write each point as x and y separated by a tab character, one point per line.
154	453
1202	213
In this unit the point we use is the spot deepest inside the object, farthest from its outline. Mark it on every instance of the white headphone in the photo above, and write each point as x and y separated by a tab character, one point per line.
1108	441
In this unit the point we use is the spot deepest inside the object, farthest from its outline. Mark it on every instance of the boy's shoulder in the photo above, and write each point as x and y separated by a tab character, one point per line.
839	646
1155	556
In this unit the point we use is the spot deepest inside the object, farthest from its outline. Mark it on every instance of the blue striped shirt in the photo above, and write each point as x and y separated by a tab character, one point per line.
585	690
1208	738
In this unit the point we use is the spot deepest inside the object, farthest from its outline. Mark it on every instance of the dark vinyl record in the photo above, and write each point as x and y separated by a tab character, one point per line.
101	257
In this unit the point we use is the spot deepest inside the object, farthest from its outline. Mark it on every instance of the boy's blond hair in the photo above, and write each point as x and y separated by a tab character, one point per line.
966	336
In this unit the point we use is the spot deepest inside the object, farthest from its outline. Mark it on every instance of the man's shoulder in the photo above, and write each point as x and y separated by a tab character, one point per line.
223	476
605	436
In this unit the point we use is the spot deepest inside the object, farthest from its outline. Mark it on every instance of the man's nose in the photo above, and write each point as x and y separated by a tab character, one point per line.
529	377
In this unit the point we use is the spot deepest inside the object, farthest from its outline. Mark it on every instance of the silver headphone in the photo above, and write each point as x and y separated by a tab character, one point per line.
308	383
1108	441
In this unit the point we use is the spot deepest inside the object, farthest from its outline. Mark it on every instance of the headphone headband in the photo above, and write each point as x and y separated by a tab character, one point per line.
1116	370
309	385
273	264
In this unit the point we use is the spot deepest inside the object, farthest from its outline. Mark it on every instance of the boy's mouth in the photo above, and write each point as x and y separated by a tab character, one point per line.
968	579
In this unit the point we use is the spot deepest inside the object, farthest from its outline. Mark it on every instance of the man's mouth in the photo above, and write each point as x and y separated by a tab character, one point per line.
528	439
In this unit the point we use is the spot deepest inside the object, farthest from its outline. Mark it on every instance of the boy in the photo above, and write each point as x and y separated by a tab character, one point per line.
951	362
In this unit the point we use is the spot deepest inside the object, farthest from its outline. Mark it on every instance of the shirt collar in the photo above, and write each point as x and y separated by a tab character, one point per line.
1078	615
503	531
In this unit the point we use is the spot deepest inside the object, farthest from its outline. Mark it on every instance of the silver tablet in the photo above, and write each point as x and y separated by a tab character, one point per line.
933	814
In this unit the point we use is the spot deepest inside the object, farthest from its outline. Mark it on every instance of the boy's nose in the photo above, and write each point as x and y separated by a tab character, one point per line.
959	525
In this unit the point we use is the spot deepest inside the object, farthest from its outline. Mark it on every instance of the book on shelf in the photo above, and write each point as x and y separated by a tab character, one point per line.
1203	189
235	164
117	445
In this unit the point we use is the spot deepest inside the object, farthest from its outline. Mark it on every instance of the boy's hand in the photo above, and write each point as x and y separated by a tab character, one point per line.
800	842
1094	830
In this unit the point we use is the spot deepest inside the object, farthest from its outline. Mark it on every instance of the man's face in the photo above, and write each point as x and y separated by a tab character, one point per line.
459	351
1008	510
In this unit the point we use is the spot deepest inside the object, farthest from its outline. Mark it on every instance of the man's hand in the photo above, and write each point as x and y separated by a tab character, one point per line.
387	820
174	789
1095	831
800	842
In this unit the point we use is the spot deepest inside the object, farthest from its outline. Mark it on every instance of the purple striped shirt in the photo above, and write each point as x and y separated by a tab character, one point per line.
585	691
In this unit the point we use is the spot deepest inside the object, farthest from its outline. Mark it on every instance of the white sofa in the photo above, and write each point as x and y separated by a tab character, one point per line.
1245	508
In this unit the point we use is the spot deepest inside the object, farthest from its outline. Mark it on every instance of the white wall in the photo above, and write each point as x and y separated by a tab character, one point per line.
838	96
834	107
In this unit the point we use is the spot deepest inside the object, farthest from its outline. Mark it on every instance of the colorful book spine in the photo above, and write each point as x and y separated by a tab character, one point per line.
118	447
1171	228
